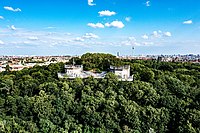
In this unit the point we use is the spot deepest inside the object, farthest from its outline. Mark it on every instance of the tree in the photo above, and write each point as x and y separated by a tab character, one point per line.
160	99
7	68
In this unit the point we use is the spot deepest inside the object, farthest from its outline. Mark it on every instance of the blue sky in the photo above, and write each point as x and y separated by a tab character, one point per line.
63	27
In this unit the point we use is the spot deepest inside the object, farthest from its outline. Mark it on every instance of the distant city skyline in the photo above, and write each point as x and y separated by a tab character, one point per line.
44	27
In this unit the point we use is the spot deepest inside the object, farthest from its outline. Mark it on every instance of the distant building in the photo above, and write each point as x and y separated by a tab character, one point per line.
118	54
16	67
159	58
2	68
123	72
164	59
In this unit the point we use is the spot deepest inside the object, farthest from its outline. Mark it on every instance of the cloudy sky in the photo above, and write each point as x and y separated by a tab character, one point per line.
64	27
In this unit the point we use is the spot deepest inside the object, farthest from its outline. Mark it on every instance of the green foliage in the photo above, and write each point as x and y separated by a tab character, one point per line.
164	97
96	62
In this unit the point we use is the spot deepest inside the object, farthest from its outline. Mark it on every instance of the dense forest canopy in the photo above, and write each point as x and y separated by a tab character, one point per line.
164	97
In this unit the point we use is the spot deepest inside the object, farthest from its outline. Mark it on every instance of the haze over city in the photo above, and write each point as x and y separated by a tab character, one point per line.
48	27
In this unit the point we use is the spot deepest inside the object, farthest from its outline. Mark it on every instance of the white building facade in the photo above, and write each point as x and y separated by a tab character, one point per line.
122	72
73	71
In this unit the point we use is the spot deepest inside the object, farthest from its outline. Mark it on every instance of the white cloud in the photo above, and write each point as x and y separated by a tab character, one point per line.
131	41
145	36
97	25
156	34
24	42
23	36
188	22
147	43
12	27
69	34
90	3
79	39
132	38
1	42
90	36
33	38
1	17
148	3
107	13
86	36
128	19
50	27
12	9
167	34
115	24
160	34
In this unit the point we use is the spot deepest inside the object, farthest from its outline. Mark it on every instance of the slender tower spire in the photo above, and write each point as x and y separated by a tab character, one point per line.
133	50
73	62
